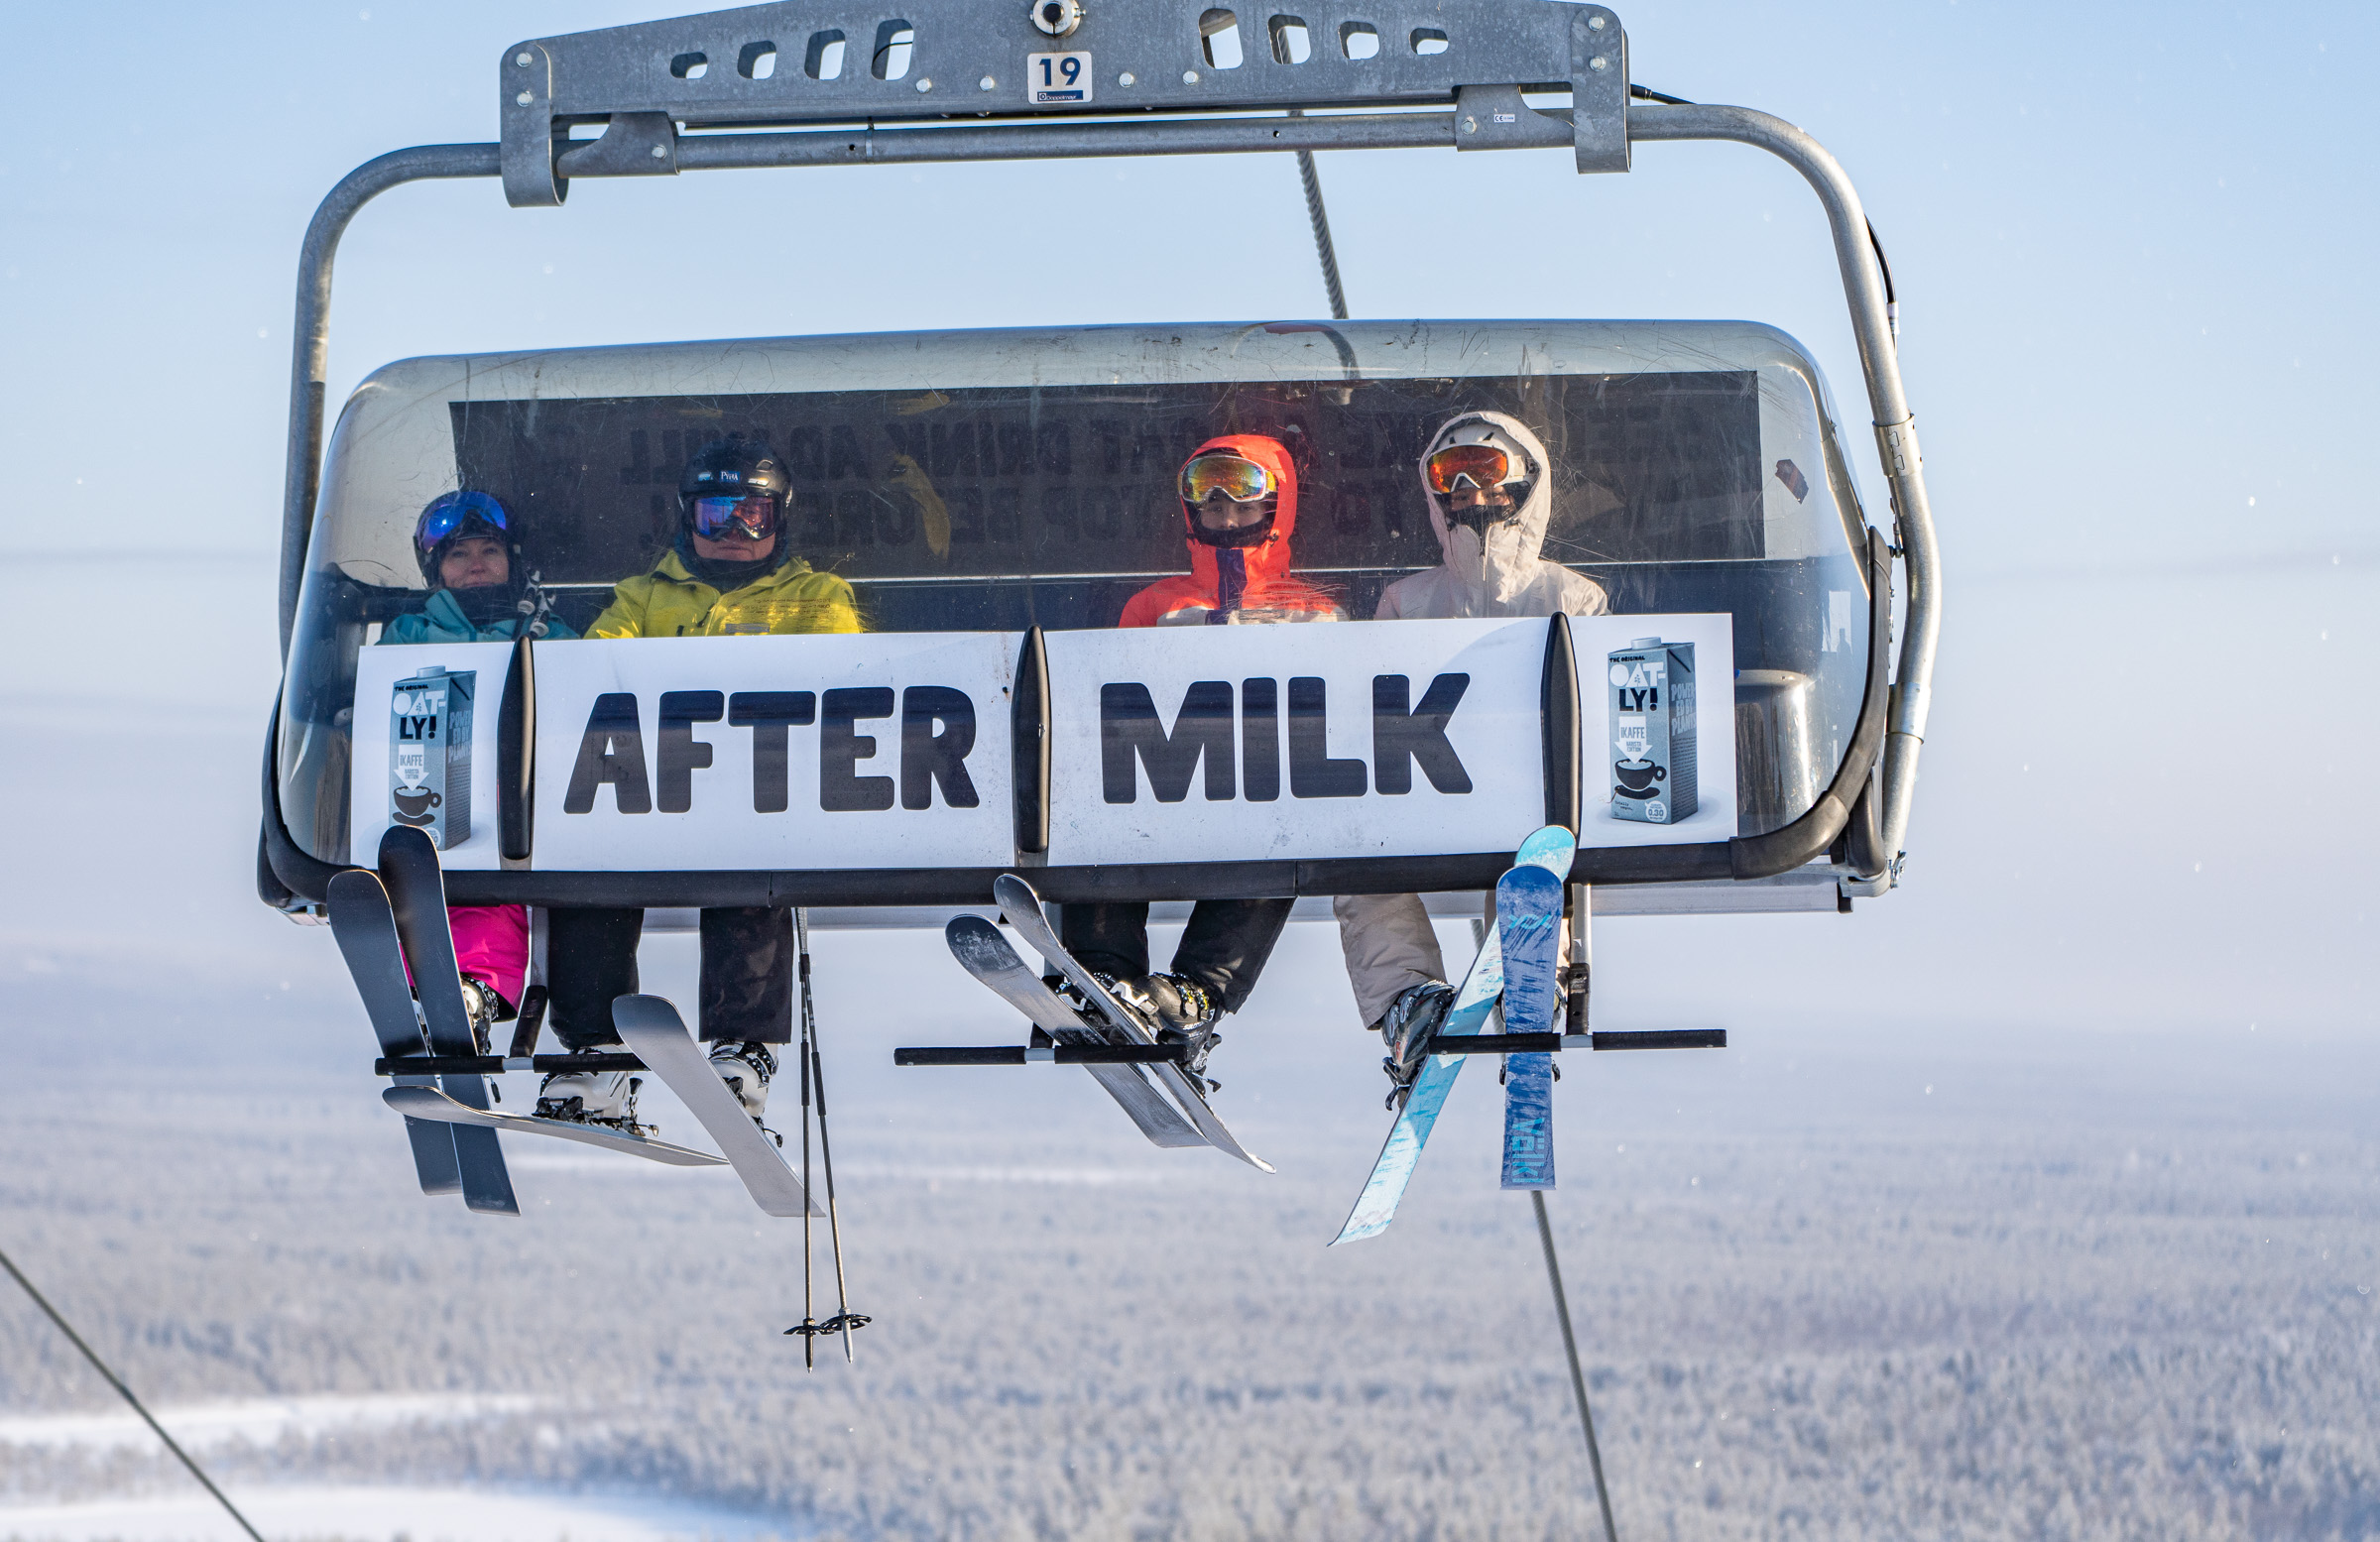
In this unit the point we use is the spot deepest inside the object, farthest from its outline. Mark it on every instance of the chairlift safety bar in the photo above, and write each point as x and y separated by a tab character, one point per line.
750	87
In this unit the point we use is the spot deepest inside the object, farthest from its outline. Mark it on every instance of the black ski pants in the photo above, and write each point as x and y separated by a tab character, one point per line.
746	993
1223	948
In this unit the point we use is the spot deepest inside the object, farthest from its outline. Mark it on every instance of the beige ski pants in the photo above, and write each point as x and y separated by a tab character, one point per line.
1391	947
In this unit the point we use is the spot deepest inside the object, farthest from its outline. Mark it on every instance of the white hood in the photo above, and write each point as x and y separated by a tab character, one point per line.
1502	575
1501	565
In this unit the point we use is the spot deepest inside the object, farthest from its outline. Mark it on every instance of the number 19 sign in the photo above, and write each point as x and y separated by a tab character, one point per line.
1052	78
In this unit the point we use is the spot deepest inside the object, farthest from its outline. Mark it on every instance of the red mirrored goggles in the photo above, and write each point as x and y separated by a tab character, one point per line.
752	517
1476	466
1236	477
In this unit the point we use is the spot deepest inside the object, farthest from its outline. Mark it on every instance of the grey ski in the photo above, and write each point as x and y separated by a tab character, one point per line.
367	935
650	1027
428	1102
1023	907
984	953
417	886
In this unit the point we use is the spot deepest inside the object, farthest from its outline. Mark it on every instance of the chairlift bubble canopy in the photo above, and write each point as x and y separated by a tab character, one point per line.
993	498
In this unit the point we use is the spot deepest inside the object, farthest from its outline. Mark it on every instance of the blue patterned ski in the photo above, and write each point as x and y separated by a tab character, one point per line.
1552	849
1528	925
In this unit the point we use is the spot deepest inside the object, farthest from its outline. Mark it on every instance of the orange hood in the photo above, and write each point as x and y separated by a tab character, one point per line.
1267	562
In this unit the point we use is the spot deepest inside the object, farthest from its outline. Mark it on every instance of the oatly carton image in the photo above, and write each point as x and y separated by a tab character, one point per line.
429	754
1652	732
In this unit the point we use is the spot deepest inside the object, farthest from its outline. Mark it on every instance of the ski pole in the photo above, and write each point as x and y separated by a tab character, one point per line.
1570	1347
834	1226
826	1152
810	1312
117	1382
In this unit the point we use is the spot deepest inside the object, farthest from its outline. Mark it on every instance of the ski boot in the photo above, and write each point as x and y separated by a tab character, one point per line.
1176	1011
1411	1022
487	1009
606	1098
747	1069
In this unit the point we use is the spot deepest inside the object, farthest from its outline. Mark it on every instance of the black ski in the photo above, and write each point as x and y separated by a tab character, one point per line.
986	955
367	934
417	886
1023	908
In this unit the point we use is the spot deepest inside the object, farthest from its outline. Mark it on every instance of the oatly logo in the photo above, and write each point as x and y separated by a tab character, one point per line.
935	731
1229	740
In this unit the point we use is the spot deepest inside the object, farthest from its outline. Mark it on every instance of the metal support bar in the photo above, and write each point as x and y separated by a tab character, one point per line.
1049	1054
1578	984
309	334
880	145
1879	362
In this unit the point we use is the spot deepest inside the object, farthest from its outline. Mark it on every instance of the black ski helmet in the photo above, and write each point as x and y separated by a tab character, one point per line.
733	467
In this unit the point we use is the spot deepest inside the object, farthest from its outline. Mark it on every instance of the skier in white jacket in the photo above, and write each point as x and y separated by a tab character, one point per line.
1489	486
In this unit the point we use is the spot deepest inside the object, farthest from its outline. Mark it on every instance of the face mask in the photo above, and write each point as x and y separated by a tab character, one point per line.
1484	516
1238	536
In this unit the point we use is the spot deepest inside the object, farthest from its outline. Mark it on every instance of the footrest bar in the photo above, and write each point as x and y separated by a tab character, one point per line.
1553	1043
1055	1054
1665	1038
492	1065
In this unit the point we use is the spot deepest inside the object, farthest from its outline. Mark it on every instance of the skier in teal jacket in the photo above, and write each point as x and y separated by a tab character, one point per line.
479	592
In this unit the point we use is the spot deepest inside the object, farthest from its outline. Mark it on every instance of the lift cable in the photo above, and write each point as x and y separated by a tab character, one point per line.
117	1382
1570	1347
1553	1267
1322	228
1892	301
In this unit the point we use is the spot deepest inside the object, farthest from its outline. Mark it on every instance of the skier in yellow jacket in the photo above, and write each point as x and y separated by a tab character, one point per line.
731	572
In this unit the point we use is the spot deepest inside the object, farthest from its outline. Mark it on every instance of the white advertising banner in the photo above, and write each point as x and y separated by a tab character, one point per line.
1169	745
775	753
1244	744
1657	729
425	740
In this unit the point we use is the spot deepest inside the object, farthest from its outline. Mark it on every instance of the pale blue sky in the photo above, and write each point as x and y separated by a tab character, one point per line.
2134	250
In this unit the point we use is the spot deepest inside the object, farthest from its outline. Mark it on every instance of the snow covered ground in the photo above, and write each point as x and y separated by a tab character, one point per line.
356	1514
256	1419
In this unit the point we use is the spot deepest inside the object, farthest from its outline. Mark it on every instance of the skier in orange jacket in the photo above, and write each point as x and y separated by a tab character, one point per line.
1239	498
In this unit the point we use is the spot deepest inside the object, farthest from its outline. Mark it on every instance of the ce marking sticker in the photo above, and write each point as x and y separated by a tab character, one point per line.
1054	78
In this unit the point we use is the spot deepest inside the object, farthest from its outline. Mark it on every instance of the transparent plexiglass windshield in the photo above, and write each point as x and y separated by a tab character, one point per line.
1002	480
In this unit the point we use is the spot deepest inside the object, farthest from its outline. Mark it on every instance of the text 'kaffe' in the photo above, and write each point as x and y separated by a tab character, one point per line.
1235	737
936	730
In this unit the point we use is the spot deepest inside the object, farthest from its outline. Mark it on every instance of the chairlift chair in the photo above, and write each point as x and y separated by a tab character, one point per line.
994	496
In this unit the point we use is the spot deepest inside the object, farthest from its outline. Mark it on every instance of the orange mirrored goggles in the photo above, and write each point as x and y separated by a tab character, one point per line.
1484	464
1236	477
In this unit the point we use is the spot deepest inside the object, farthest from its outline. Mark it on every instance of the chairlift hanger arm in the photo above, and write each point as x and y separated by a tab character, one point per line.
968	58
645	80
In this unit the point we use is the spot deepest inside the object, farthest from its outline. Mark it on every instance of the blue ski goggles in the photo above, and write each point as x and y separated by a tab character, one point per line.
452	512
